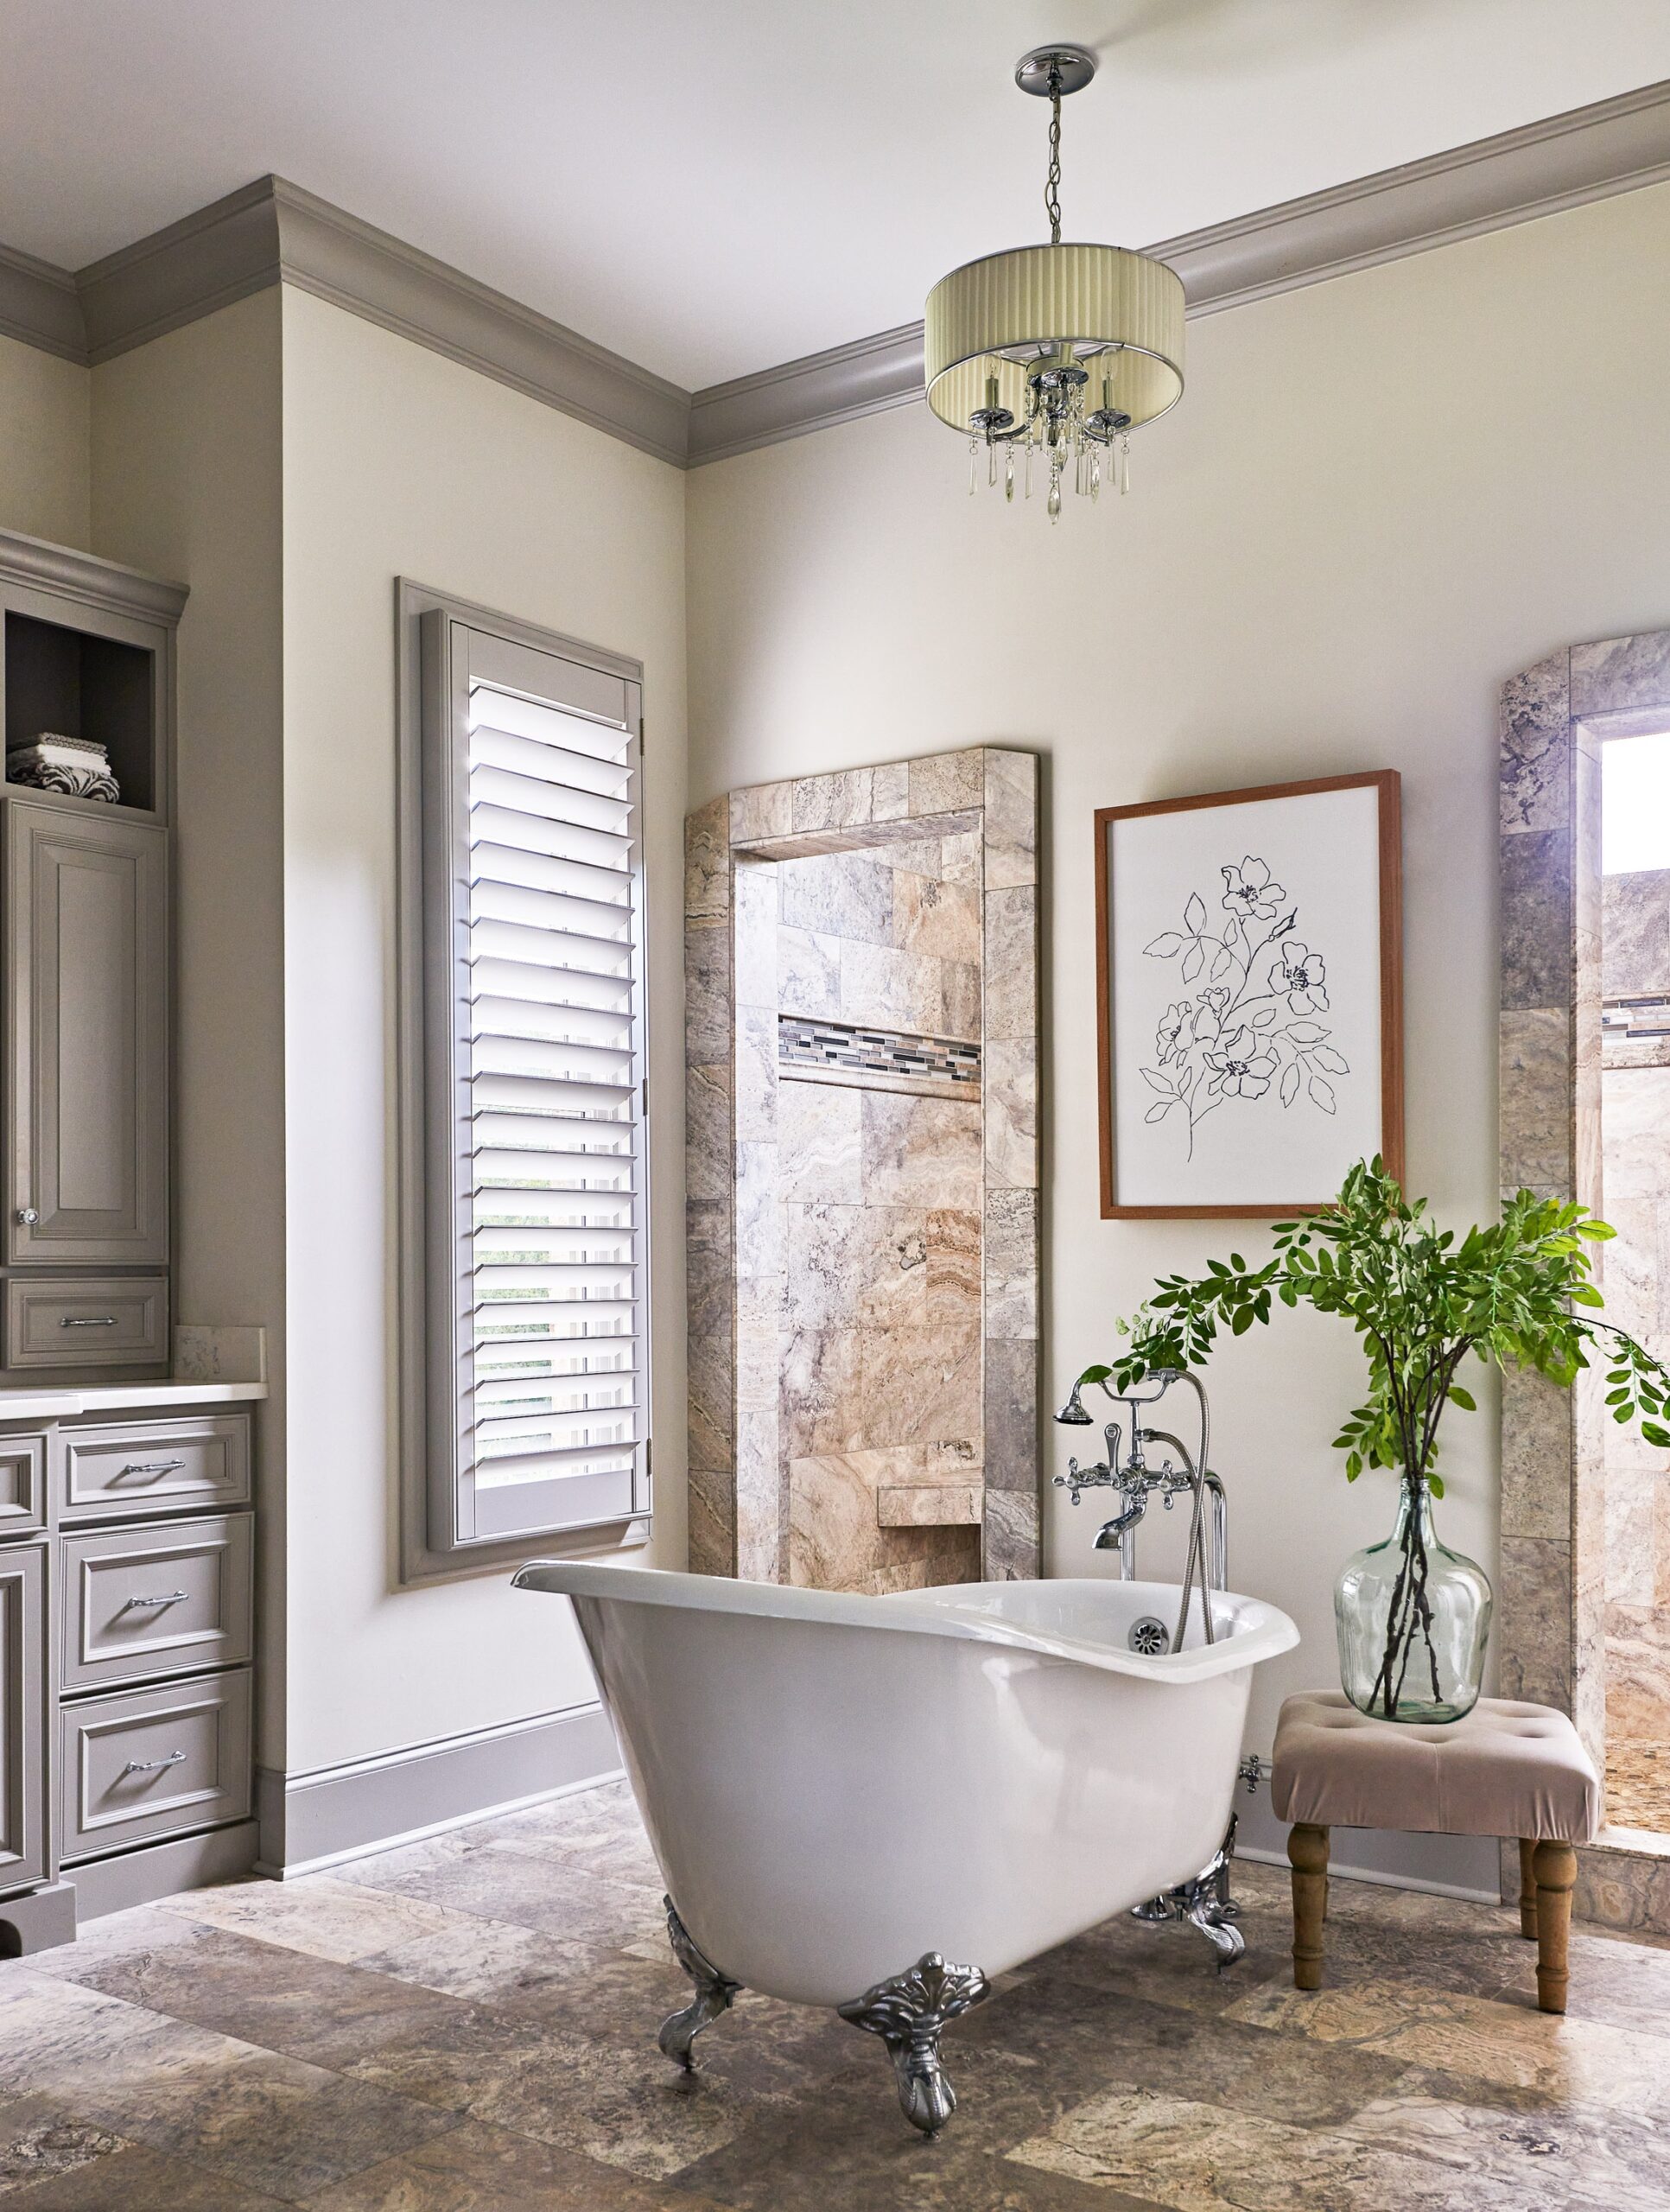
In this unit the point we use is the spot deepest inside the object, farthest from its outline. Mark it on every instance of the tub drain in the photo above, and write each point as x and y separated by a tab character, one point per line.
1149	1636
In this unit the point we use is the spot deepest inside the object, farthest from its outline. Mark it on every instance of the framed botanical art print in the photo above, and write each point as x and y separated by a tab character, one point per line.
1249	996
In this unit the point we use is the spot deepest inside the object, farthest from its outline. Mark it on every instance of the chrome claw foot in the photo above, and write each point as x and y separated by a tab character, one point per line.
1224	1936
714	1993
1205	1904
908	2012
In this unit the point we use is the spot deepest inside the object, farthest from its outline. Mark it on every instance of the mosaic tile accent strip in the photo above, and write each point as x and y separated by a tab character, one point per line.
1629	1020
873	1052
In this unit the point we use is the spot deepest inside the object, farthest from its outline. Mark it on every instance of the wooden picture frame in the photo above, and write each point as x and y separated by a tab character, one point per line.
1320	841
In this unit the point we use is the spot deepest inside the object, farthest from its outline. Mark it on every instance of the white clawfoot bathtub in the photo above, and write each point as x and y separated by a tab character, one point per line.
845	1792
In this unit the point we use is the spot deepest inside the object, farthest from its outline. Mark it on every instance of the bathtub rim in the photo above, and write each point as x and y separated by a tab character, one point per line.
1262	1631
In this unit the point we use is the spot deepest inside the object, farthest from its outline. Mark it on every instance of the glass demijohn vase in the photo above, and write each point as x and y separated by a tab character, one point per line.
1412	1618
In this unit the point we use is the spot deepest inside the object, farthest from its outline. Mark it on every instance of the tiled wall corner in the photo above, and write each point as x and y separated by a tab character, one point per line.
1535	727
944	782
1628	1891
1536	1457
1615	675
1010	1546
1535	1661
1011	823
1011	1543
708	1221
1535	1102
708	860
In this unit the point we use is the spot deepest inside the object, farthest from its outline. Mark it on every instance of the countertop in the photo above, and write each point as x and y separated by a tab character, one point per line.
46	1401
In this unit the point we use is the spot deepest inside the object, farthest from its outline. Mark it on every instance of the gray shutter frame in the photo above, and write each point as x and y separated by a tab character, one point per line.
445	1529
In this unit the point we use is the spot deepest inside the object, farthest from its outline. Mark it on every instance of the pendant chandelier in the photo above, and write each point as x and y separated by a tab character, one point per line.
1048	357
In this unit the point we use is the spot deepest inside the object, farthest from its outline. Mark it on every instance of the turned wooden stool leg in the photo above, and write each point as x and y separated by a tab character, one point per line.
1307	1848
1555	1865
1527	1891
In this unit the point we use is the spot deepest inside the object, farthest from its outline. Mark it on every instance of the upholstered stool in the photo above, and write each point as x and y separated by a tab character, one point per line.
1507	1770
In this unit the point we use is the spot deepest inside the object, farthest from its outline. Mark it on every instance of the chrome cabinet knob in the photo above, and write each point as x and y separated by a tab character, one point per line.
27	1217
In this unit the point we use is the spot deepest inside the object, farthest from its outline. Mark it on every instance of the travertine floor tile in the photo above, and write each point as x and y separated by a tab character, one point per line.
476	2169
39	2142
267	2122
468	2025
134	2179
460	1954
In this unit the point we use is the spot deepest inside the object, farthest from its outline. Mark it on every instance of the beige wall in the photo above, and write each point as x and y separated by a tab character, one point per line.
44	464
398	462
1380	497
186	470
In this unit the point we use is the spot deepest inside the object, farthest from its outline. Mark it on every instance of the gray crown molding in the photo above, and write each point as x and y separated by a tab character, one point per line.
84	576
206	260
272	230
811	394
1588	153
39	306
341	259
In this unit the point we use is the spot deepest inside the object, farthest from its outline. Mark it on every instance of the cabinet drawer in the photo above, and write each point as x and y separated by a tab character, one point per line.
22	1484
154	1466
152	1763
155	1600
113	1321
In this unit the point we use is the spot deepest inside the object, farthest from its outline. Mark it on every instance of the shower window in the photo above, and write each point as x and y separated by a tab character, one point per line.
527	1399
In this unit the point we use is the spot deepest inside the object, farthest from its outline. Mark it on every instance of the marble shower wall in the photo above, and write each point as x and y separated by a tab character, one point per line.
883	1188
863	1243
1635	1151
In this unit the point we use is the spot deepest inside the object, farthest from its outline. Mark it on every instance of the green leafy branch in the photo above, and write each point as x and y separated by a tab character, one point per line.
1422	1302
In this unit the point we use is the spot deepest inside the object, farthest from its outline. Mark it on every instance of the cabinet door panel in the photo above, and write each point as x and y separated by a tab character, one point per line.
86	965
23	1780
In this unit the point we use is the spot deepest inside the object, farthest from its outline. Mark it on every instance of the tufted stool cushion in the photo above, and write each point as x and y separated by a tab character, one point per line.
1507	1770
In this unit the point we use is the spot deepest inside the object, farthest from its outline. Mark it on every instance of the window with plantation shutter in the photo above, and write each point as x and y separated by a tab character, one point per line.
535	1399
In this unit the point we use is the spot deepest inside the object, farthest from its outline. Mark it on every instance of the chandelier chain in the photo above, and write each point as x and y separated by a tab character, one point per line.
1052	182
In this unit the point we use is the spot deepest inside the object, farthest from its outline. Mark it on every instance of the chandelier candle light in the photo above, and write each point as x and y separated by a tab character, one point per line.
1054	352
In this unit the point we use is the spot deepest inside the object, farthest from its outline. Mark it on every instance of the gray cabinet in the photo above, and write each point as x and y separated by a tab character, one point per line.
86	992
24	1683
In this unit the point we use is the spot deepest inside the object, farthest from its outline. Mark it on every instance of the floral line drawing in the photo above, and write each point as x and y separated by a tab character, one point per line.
1249	1023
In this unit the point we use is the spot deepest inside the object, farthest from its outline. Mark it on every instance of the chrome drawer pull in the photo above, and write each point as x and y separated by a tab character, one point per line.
104	1321
149	1766
152	1467
173	1597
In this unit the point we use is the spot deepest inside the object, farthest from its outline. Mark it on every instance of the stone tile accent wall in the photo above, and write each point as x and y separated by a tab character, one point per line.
1550	1594
864	1261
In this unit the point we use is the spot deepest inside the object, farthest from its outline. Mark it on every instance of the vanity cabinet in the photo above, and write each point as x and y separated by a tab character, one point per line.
86	699
126	1639
126	1525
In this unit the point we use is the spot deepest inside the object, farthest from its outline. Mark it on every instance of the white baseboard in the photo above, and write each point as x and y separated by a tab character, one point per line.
328	1815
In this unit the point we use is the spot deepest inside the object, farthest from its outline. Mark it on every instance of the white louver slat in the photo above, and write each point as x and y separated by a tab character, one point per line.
548	1088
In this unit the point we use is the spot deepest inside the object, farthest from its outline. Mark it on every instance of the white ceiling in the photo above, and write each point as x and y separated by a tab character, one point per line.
714	185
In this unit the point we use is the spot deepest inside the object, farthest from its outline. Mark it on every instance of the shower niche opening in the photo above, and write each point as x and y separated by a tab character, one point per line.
861	1043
